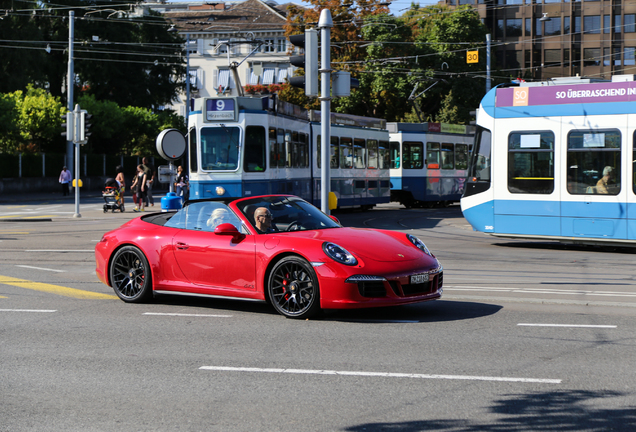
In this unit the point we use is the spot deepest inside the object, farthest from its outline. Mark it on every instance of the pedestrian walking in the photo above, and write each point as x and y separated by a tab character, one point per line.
65	179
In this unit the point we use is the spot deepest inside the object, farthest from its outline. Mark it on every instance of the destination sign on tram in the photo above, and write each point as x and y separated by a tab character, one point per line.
220	109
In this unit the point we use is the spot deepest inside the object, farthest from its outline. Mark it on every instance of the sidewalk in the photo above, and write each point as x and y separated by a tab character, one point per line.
48	197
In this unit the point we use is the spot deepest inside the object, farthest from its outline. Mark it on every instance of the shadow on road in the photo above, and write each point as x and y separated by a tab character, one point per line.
566	247
435	311
573	410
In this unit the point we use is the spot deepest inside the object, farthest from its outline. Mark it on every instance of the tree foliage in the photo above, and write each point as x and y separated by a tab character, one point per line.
409	67
130	60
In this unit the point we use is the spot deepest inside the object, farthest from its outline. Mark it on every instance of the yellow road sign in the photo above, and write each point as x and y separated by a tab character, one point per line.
472	56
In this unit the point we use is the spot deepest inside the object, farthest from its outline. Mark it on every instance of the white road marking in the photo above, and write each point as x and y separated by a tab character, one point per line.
568	325
41	268
381	374
59	250
187	315
541	291
27	310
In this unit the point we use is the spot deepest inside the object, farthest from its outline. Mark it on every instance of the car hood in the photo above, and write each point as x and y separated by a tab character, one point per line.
377	245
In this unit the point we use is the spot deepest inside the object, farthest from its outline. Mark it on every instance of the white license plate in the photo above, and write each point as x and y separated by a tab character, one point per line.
419	278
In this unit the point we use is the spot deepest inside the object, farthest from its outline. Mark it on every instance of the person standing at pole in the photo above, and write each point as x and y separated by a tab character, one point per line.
149	169
65	179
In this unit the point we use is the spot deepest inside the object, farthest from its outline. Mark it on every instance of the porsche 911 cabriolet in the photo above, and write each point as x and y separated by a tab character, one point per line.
275	248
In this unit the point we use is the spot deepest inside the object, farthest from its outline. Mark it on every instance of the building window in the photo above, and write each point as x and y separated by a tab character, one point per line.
616	54
607	23
592	24
553	27
591	56
514	59
566	25
528	27
577	24
531	162
628	56
537	31
594	162
513	27
499	31
552	57
606	57
617	24
282	45
629	23
268	76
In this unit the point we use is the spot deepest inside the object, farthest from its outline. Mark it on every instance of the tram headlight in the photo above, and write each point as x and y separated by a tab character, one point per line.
220	190
419	244
339	254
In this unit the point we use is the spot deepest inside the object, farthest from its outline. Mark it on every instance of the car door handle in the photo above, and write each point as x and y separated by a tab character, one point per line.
182	246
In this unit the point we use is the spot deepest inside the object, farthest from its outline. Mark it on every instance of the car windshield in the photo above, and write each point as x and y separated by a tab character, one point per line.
287	214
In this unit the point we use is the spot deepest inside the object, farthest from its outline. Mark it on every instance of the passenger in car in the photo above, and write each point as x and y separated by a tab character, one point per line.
218	217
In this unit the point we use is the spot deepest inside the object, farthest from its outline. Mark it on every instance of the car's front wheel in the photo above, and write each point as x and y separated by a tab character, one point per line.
293	288
130	275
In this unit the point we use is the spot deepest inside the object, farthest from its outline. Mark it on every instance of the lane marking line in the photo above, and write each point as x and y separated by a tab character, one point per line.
13	232
54	289
41	268
186	315
540	291
59	250
380	374
27	310
568	325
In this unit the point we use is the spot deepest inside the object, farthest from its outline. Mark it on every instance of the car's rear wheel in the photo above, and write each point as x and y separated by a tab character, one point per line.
130	275
293	288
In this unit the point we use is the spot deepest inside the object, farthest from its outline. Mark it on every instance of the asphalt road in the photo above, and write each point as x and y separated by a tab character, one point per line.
528	336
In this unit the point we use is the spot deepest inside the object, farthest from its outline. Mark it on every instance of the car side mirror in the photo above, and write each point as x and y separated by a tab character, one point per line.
227	229
335	219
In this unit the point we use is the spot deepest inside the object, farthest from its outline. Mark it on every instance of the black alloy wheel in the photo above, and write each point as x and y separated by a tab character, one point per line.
130	275
293	288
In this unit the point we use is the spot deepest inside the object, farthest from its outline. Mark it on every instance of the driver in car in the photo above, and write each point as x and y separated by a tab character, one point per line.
263	221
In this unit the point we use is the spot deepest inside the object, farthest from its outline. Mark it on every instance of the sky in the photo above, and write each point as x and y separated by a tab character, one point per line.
398	7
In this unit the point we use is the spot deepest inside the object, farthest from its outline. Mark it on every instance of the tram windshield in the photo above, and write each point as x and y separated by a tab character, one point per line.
220	148
480	162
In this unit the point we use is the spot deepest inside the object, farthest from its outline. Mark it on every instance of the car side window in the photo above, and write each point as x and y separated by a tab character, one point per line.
206	216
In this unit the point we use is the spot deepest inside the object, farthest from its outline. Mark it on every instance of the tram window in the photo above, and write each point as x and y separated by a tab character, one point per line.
413	155
192	138
531	162
448	156
295	158
432	155
479	170
383	162
359	153
220	148
372	149
273	148
394	154
304	151
461	156
288	149
346	152
334	152
318	151
280	151
255	149
594	162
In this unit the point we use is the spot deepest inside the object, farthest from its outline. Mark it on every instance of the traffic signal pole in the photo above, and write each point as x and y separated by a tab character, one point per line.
324	24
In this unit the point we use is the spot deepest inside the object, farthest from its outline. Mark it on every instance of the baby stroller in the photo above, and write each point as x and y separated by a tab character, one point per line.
112	196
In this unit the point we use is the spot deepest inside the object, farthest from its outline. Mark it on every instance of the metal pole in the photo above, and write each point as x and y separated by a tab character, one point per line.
77	165
325	23
69	79
487	62
187	107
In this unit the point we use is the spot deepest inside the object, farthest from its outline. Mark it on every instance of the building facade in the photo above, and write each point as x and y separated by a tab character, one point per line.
543	39
219	34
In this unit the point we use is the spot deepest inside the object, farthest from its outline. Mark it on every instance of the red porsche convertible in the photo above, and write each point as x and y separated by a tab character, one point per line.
275	248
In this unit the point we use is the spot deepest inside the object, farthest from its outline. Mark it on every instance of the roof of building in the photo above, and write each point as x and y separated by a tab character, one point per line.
250	15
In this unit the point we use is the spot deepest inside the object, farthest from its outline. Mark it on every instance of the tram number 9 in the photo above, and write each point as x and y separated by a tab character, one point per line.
220	105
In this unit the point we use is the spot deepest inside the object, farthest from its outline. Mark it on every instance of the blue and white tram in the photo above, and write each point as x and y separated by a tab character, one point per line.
429	162
242	146
555	160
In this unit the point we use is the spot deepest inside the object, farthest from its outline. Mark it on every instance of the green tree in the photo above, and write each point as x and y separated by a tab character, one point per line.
39	121
9	114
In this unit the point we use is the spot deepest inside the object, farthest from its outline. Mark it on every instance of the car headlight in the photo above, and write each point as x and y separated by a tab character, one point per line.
339	254
419	244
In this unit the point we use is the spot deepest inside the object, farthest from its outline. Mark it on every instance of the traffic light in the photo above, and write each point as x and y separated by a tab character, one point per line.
84	126
309	61
68	125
